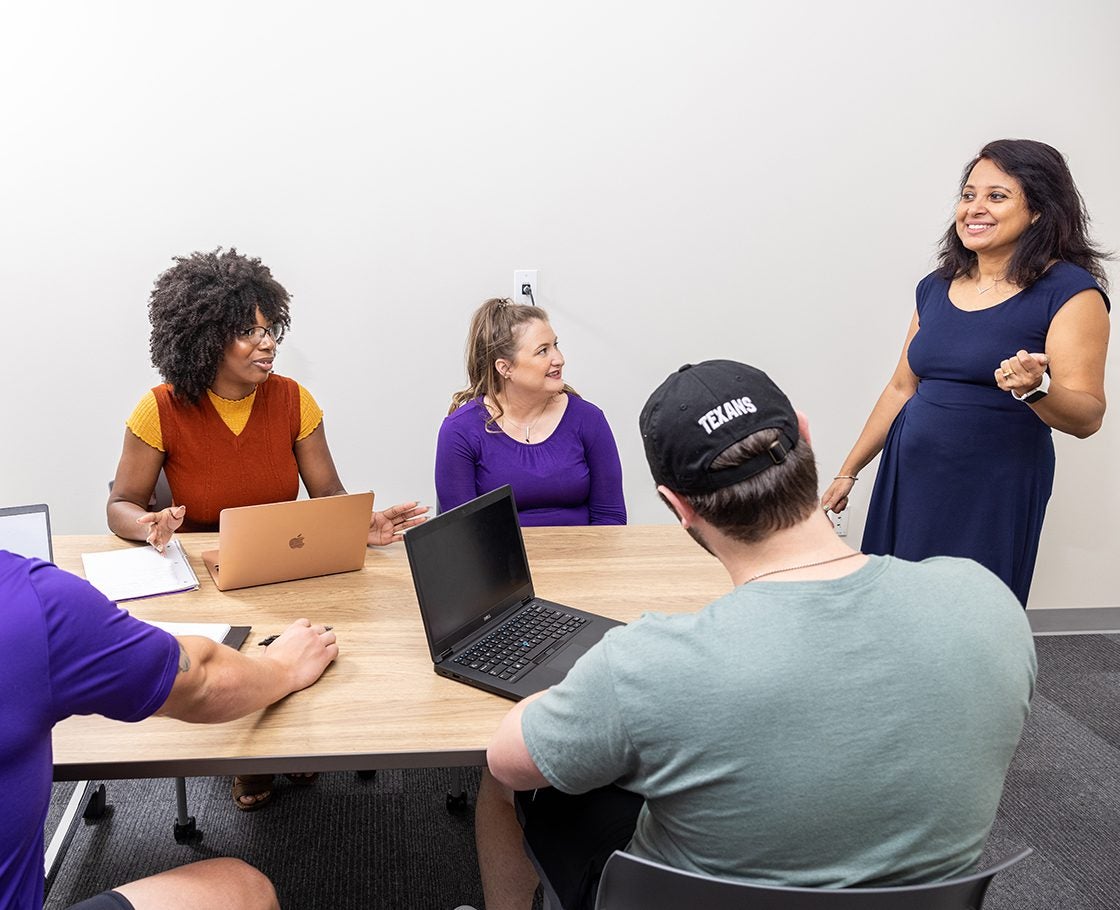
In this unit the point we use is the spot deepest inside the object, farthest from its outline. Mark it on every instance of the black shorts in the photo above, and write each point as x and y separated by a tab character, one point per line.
570	838
106	900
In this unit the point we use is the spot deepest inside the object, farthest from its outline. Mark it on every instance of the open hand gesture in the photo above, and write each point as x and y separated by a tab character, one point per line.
390	525
162	525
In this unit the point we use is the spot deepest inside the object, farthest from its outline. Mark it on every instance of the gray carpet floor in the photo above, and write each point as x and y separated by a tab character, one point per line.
342	843
391	843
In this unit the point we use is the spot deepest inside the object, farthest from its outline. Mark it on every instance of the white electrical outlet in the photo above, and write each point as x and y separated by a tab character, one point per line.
521	278
839	522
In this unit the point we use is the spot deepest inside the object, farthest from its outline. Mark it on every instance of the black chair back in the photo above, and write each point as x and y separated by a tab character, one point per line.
632	883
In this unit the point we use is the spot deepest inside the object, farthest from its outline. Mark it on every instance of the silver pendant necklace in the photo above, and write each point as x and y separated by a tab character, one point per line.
527	427
980	290
807	565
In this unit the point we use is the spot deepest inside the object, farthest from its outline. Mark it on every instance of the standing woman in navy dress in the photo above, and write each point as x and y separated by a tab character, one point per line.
1008	342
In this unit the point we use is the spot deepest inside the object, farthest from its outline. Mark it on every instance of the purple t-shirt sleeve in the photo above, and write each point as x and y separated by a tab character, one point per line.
65	650
102	660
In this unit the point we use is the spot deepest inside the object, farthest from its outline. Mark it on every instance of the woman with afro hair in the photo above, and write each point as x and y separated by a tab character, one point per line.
223	427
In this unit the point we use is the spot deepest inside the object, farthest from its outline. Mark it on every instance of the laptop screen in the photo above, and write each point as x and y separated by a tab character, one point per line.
468	566
26	530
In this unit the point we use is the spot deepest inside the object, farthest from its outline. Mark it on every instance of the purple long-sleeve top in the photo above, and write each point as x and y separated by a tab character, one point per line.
572	478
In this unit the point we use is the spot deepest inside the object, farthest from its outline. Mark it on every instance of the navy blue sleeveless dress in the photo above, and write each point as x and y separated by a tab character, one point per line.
967	470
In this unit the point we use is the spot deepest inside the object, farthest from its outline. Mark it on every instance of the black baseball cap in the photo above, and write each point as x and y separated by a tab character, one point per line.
704	408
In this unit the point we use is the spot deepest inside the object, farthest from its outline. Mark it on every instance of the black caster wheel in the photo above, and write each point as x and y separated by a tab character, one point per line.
95	807
366	775
187	833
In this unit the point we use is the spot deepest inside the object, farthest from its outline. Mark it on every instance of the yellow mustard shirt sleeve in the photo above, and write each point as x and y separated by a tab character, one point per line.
310	414
144	422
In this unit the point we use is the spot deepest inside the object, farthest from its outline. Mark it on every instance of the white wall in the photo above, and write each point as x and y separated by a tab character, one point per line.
693	180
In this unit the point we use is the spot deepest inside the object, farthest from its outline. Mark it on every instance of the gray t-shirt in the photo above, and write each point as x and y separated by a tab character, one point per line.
817	733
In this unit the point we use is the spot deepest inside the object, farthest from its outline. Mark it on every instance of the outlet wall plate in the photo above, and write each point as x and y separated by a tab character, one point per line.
522	277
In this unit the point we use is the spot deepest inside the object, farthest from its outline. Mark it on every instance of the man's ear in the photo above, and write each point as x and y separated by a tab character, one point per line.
684	512
803	428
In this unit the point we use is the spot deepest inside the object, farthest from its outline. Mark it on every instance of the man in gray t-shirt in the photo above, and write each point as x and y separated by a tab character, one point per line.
836	719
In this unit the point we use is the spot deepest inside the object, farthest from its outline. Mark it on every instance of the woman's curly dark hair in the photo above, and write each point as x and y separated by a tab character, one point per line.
1061	230
199	305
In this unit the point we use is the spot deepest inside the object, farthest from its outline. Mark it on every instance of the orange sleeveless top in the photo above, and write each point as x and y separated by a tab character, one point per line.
209	468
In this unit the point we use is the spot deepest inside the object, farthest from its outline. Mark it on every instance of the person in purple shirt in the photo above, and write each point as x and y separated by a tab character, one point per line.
65	649
518	422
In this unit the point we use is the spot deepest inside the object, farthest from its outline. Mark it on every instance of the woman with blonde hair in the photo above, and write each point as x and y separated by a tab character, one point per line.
518	422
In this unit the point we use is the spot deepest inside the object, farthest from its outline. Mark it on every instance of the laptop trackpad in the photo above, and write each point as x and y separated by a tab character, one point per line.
557	667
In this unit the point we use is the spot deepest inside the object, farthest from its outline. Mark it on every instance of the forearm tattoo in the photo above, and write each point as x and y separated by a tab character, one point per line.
184	659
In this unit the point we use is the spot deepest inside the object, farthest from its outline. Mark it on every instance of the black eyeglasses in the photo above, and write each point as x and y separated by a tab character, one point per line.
256	333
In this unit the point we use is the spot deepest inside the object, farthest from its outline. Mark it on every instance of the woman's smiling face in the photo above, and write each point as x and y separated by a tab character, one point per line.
992	213
538	365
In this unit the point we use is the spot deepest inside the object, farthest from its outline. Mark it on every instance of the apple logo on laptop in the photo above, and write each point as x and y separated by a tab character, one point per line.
296	542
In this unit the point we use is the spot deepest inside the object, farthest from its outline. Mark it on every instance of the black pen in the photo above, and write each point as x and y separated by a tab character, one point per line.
265	642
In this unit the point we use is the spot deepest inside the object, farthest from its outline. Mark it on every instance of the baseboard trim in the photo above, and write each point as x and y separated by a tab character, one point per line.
1075	621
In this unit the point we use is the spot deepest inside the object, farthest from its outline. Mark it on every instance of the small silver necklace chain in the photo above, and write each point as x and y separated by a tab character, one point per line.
807	565
980	290
526	427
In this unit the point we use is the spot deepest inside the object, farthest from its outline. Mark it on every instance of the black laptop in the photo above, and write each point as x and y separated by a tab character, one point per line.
485	625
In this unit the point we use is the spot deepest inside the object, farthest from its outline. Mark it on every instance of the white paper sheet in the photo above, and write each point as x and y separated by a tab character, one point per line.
139	572
215	631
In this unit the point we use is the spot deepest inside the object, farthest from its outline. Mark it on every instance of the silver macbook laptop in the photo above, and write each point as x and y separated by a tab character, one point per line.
26	530
284	541
485	625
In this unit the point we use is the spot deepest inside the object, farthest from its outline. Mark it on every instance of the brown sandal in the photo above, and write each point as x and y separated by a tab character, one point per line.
259	785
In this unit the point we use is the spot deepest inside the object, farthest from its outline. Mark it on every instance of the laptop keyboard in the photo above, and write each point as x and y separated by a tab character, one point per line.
521	642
